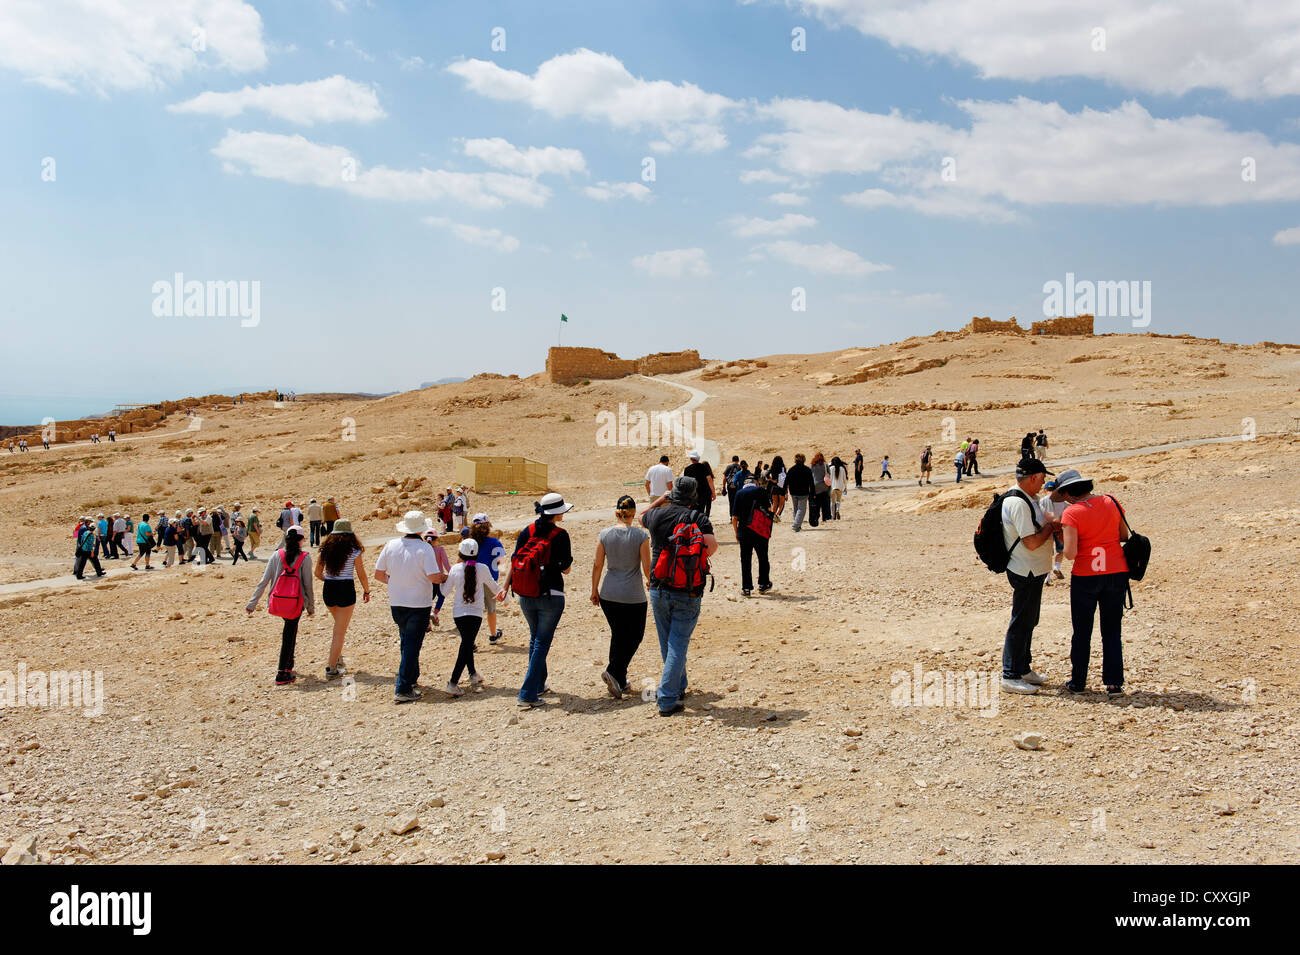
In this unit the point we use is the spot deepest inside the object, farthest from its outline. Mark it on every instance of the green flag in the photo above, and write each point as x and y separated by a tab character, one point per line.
563	317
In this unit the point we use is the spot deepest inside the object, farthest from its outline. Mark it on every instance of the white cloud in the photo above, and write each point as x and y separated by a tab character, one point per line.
674	263
787	198
763	175
476	235
938	202
1288	236
604	191
410	64
827	258
597	87
747	227
106	47
1029	152
298	160
1249	48
530	161
336	99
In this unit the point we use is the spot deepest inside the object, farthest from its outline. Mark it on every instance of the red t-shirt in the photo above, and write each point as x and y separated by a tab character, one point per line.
1097	520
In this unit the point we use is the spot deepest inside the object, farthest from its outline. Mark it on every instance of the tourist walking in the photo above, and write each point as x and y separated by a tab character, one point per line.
87	541
340	566
467	585
727	473
1094	528
315	520
409	569
839	484
238	534
491	552
659	479
927	462
799	482
144	543
859	464
776	487
972	457
751	522
884	469
1040	445
623	552
289	575
819	507
254	532
959	462
542	556
331	514
677	585
703	474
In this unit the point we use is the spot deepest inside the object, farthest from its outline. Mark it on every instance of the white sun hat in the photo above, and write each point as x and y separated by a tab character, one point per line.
553	504
414	523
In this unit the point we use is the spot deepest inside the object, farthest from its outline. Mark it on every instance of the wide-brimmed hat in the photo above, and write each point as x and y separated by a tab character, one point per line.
469	547
414	522
553	504
1067	477
342	526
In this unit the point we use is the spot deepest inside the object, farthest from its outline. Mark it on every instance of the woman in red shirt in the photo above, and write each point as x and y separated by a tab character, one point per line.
1093	529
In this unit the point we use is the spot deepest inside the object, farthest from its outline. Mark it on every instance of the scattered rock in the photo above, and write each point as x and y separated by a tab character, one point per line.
1027	740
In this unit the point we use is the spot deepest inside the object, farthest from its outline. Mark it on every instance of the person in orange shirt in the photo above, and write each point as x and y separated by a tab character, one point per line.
1093	527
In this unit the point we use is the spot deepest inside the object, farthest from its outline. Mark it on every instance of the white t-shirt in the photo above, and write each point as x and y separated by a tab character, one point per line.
1053	509
408	562
659	476
1018	522
454	587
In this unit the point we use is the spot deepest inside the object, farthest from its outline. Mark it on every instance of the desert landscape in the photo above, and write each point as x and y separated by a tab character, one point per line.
796	745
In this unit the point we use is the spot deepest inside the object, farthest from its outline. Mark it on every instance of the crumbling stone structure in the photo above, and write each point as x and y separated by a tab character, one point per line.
1063	325
567	365
985	325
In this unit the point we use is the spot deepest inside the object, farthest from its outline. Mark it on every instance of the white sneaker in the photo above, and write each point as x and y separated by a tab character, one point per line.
1018	686
451	689
1033	678
475	679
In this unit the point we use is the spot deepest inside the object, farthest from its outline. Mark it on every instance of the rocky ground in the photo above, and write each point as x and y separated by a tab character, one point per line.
794	746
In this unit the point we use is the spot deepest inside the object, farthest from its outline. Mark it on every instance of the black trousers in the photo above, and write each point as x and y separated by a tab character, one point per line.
79	565
750	544
1088	594
315	532
819	508
468	627
626	631
857	476
288	642
239	552
1026	602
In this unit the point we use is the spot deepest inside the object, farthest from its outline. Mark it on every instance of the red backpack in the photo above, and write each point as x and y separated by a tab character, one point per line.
681	564
286	596
528	562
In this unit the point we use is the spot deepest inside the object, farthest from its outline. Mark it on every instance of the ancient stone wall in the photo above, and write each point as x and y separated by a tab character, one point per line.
125	422
1063	325
669	362
986	324
567	365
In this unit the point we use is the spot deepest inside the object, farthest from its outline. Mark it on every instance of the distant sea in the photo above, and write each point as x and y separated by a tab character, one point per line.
21	410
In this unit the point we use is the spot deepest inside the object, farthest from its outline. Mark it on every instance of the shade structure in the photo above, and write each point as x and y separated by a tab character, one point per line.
501	473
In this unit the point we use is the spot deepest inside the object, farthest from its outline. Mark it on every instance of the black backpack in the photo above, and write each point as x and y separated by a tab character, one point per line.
990	545
1137	551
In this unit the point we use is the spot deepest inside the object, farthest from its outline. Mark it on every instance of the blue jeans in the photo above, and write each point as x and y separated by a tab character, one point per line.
675	615
543	616
411	624
1090	594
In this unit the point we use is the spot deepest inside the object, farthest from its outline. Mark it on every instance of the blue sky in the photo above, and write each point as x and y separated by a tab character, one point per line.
1115	157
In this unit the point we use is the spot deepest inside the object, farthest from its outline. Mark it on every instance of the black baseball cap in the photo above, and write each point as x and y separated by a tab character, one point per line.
1030	466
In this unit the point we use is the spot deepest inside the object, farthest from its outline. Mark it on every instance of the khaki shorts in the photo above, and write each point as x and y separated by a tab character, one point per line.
489	603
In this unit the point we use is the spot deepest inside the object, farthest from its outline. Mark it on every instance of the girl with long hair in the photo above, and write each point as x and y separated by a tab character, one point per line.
290	559
341	564
467	585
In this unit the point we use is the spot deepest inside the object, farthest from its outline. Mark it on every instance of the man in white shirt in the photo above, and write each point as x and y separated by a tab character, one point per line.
659	479
408	566
1025	530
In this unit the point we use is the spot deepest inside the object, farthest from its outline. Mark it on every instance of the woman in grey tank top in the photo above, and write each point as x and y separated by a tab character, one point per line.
625	547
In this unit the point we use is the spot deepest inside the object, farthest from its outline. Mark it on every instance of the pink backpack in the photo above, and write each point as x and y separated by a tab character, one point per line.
286	596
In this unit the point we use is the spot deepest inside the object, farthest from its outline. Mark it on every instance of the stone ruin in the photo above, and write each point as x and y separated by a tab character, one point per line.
569	365
1061	325
125	422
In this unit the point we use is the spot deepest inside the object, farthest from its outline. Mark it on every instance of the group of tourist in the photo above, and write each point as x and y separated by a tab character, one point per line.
1070	522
